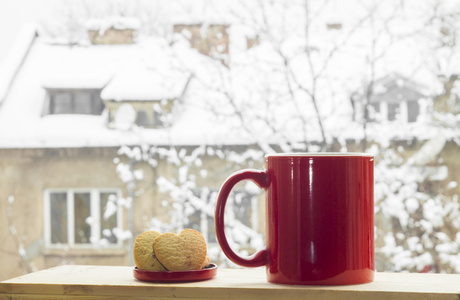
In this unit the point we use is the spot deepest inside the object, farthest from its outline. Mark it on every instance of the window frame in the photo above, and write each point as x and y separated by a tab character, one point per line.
403	112
94	97
95	201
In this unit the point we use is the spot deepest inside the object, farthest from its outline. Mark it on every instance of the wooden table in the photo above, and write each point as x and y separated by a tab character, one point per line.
103	282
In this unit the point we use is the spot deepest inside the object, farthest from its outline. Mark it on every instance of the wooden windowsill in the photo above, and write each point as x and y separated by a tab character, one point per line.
103	282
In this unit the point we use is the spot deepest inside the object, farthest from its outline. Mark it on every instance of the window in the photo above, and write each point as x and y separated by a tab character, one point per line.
393	110
158	119
154	119
413	111
140	113
61	103
68	101
405	111
143	119
81	218
374	111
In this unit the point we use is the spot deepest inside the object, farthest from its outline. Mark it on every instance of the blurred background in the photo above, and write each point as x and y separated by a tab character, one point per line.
118	117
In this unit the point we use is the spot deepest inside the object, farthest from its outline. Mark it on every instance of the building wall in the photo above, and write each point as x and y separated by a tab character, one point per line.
26	173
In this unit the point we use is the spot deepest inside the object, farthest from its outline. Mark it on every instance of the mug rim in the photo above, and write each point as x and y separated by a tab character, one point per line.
320	154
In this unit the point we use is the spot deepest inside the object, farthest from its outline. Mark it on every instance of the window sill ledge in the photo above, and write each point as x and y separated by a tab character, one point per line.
115	282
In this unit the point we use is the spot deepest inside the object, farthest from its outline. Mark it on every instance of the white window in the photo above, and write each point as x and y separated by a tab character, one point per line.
82	218
405	111
394	110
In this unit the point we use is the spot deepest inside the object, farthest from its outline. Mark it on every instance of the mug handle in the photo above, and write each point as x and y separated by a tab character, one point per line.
261	179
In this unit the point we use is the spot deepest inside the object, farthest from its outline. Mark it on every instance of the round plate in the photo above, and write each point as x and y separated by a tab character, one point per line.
176	276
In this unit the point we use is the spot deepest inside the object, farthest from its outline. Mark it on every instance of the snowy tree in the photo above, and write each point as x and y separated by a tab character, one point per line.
283	89
416	204
417	217
26	263
176	171
289	92
299	76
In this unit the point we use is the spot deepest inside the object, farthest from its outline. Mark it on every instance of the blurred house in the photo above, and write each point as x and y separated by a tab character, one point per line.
392	98
65	111
68	112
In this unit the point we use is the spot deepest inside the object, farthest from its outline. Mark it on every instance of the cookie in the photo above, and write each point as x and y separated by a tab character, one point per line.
206	262
144	256
181	252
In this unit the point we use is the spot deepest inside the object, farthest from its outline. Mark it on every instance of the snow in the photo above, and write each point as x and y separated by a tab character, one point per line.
152	69
122	234
14	58
412	205
110	209
429	150
142	84
47	66
274	93
452	185
115	22
153	77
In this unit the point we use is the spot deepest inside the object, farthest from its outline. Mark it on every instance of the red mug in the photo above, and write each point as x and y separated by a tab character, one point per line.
319	218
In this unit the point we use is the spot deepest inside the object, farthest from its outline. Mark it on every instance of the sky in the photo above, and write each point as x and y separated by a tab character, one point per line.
14	14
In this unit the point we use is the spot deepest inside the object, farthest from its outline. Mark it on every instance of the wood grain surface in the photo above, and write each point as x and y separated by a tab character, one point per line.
111	282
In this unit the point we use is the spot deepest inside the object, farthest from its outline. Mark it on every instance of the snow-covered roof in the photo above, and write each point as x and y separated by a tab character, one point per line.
395	87
253	101
143	84
127	72
15	57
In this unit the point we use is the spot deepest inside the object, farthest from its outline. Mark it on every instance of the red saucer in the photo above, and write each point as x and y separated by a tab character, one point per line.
176	276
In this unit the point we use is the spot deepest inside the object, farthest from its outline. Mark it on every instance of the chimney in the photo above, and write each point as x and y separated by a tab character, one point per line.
112	30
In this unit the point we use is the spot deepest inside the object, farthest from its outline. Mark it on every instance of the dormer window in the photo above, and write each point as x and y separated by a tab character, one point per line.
405	111
143	97
148	114
74	101
154	118
142	118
